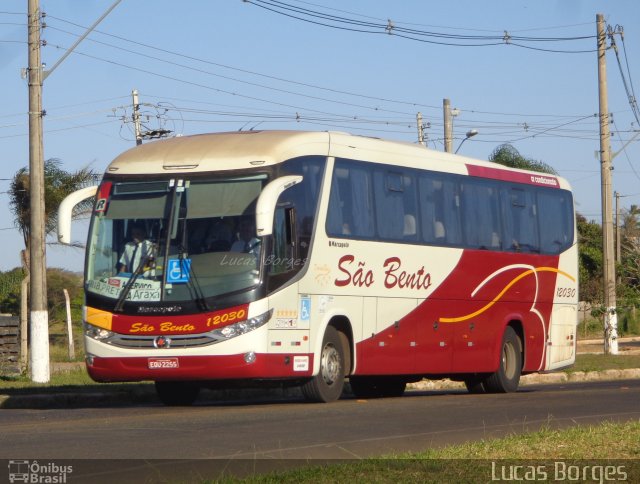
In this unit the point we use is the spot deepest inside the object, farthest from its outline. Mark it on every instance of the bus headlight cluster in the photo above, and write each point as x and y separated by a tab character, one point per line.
243	327
97	333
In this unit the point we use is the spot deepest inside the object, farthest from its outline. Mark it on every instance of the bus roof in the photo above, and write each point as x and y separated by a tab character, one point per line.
251	149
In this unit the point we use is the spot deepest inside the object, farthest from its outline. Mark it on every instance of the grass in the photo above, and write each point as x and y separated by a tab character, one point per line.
59	342
582	448
75	380
599	362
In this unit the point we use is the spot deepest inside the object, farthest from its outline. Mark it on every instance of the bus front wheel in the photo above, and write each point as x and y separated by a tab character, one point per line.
327	385
507	378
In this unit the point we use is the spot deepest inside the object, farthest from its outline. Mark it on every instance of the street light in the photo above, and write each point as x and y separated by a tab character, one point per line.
470	134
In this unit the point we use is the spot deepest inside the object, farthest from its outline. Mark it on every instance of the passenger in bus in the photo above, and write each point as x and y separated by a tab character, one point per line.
138	251
438	231
410	230
247	241
218	238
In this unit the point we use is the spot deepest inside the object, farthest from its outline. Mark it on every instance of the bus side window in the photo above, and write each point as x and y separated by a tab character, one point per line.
389	193
335	219
427	190
520	220
555	212
351	211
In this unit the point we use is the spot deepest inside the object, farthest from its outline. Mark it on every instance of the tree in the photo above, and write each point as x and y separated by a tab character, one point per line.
10	290
590	259
58	184
57	281
507	155
629	268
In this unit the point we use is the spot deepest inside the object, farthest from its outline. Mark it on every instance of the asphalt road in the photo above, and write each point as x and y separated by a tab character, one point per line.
293	429
152	443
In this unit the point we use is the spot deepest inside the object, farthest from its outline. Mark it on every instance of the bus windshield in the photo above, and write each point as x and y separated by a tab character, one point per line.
174	240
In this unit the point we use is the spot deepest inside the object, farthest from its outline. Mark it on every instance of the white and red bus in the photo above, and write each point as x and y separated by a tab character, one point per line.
306	258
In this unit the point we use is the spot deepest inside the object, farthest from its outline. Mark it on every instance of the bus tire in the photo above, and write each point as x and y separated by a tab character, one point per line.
177	393
377	386
327	385
507	378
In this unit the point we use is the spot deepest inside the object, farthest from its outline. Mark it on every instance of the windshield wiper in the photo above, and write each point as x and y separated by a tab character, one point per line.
134	277
192	279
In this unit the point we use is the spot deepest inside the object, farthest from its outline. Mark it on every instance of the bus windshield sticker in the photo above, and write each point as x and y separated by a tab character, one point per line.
179	271
305	308
323	302
142	290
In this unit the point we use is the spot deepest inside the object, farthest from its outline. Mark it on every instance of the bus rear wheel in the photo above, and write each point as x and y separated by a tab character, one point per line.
507	378
177	393
327	385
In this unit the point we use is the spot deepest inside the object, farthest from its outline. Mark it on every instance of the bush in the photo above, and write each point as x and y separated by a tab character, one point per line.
57	281
629	322
10	291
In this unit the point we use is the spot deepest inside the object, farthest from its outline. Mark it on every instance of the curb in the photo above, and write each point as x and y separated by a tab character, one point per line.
147	396
539	378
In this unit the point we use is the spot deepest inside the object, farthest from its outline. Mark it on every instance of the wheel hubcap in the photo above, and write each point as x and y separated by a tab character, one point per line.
509	360
330	364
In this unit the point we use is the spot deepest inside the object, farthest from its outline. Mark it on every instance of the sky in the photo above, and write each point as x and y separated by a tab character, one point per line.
522	72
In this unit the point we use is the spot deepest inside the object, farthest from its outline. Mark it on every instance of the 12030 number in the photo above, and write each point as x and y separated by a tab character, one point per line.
566	292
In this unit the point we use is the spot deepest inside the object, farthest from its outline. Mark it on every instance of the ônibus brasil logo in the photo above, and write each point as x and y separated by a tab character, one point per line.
36	472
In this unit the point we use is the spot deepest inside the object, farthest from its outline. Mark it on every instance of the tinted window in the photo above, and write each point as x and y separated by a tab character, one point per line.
392	203
351	202
395	203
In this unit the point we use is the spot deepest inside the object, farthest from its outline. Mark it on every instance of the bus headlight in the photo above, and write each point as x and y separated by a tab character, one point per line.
97	333
243	327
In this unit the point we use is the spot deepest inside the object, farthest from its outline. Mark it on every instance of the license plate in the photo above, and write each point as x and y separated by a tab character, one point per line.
162	363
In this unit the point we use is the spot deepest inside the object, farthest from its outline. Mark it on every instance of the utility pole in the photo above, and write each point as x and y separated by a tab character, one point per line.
137	123
420	129
448	125
38	315
609	270
618	256
136	116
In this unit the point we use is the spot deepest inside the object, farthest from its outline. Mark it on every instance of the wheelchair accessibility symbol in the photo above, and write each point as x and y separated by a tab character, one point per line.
305	309
178	271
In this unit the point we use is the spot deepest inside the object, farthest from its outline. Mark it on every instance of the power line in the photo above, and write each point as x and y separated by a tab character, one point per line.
536	131
628	85
336	91
202	71
245	71
396	29
626	155
441	26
